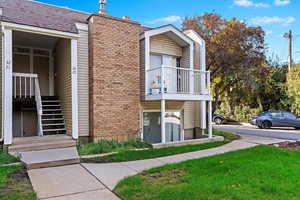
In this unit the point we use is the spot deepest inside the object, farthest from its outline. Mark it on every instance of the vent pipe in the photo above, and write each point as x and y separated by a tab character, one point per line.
102	10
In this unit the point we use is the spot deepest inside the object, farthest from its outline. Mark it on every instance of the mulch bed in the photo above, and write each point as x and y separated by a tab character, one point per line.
288	145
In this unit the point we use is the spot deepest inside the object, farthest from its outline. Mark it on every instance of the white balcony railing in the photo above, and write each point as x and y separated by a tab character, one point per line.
27	86
174	80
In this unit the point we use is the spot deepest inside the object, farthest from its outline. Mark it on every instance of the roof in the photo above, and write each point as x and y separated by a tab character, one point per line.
42	15
144	28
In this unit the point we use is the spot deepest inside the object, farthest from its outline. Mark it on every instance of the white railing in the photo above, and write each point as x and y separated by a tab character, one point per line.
27	86
174	80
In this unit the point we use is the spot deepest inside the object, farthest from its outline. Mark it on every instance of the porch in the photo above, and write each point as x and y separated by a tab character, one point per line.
170	122
40	81
177	83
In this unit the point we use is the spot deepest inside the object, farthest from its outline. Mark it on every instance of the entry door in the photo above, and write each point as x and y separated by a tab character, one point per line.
21	63
170	64
151	127
41	67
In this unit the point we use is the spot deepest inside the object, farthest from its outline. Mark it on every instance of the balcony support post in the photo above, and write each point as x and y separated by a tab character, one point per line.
7	86
162	119
209	110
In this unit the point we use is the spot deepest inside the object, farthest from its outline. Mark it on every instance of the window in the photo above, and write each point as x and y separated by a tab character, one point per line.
289	115
276	114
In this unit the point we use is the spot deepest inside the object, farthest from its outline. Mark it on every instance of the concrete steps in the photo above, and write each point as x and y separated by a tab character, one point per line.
50	158
41	143
46	151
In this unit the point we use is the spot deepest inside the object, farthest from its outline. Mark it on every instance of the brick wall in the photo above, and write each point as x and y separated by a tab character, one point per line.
114	78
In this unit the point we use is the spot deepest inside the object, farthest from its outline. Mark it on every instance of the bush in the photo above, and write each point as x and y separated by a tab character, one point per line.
107	146
239	113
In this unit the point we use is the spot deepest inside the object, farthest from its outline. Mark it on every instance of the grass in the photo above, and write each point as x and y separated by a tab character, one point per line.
132	155
227	135
262	172
106	146
152	153
15	184
6	158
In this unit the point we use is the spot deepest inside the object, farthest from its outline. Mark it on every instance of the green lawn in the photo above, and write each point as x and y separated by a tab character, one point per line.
131	155
152	153
263	172
6	158
227	135
14	184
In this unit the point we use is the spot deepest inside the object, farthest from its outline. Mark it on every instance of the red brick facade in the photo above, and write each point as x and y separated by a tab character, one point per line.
114	78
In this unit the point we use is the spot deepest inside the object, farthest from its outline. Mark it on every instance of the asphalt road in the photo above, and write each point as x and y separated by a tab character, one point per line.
282	133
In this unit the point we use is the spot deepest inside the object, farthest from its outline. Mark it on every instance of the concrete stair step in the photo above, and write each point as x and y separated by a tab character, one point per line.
41	145
44	139
50	158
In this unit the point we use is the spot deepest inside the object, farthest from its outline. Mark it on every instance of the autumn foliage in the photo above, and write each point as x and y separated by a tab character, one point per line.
243	80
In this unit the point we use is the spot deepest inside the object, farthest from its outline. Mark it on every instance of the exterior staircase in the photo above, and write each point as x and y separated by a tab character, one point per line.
53	121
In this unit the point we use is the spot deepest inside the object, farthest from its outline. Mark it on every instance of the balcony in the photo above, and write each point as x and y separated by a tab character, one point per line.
173	83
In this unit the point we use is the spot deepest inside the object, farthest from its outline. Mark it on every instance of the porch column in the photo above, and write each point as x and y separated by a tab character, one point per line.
192	75
74	63
209	110
7	87
162	121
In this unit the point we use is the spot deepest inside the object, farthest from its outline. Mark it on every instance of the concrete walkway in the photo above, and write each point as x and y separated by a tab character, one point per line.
96	181
71	182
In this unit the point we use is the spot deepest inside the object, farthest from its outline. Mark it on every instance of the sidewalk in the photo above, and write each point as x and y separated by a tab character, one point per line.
96	181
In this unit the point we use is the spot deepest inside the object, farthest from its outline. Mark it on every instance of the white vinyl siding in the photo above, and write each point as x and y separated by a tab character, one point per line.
83	84
162	44
189	115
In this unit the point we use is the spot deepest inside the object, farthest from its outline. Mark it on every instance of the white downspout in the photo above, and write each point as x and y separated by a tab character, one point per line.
2	84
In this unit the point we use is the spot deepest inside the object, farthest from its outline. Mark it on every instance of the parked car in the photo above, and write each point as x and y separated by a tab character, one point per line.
253	120
218	119
278	119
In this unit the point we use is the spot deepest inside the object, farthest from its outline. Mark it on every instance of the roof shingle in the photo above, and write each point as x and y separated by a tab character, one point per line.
37	14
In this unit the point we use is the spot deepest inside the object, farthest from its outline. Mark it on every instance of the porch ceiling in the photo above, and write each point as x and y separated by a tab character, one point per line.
176	38
34	40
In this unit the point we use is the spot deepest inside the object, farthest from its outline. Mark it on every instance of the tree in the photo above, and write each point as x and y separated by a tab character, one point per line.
235	57
293	85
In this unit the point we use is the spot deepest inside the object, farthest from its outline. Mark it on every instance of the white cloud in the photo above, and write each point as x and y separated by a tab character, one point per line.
282	2
168	19
285	21
268	32
249	3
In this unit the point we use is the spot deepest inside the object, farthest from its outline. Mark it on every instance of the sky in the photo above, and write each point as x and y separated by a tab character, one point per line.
275	16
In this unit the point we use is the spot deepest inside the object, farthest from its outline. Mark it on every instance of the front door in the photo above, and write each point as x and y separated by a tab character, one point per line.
170	64
151	127
41	68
